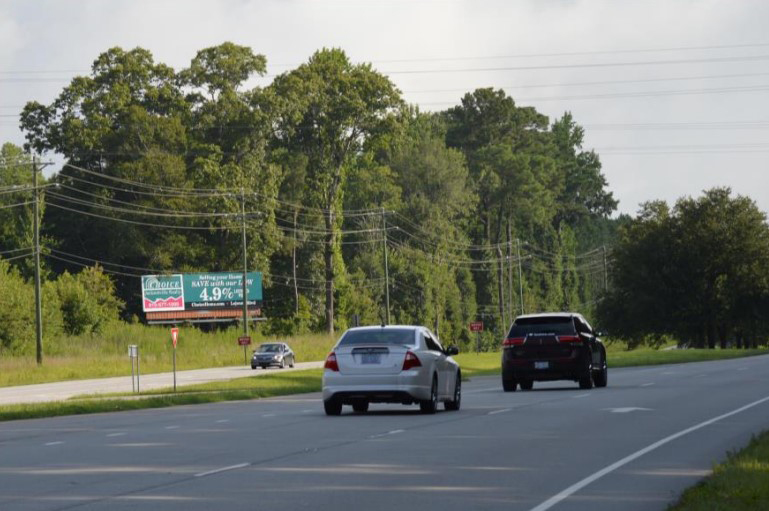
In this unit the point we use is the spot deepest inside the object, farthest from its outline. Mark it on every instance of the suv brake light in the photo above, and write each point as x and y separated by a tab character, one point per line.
410	361
569	338
331	362
513	341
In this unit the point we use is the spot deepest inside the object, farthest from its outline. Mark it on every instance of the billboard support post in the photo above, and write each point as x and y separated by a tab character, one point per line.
174	341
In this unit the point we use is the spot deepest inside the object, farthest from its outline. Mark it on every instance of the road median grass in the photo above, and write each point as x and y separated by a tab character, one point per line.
741	483
253	387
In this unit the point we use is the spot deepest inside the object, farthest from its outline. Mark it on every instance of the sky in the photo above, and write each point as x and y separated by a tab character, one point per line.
673	94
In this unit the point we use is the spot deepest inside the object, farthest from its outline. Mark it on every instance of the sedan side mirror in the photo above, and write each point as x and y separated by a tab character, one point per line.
452	350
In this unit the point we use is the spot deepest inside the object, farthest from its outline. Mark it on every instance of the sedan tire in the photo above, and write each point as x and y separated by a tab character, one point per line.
430	406
360	406
527	384
453	405
332	407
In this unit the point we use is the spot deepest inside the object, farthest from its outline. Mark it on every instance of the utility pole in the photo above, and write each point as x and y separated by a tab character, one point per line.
245	266
36	236
520	272
605	271
510	270
386	268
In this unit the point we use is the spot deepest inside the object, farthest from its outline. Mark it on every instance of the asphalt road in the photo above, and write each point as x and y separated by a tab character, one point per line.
634	445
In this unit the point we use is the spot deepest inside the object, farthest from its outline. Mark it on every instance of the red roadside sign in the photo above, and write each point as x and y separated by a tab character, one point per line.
174	336
244	341
476	326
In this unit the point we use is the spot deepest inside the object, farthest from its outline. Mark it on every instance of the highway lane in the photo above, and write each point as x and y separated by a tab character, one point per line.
635	444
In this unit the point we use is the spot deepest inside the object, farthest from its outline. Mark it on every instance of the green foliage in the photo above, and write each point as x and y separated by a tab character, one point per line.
87	301
325	148
698	273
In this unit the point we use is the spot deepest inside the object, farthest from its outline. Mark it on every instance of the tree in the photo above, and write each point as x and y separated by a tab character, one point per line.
327	109
16	212
698	272
192	140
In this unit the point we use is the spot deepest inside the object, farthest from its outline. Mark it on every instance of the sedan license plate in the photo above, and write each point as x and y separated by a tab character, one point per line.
371	358
541	365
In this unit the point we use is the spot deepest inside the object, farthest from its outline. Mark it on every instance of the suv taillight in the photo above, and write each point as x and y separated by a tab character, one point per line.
513	341
331	362
410	361
569	338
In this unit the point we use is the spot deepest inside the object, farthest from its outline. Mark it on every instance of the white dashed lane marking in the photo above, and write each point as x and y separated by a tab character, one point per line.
393	432
503	410
647	384
223	469
54	443
115	434
172	427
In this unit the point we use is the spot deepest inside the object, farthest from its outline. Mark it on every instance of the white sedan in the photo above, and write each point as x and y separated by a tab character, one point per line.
391	364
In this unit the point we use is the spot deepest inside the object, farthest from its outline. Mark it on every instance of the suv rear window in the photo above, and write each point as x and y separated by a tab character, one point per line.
396	336
557	325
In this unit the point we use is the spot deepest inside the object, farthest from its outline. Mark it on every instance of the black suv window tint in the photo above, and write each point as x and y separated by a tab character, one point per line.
582	326
558	325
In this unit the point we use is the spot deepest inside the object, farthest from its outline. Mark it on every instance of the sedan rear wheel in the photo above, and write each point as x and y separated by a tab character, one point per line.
332	407
431	405
282	363
454	404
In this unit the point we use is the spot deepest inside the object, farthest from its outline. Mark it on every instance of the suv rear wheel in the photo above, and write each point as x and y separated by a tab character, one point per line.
509	385
601	376
527	384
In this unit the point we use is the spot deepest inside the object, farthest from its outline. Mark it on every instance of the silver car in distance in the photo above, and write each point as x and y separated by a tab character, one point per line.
391	364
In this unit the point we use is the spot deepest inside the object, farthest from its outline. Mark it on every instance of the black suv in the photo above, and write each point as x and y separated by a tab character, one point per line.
552	346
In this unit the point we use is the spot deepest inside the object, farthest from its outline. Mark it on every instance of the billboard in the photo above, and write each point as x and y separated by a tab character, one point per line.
200	291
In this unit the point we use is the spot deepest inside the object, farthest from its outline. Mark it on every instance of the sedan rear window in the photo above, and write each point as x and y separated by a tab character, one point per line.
558	325
399	337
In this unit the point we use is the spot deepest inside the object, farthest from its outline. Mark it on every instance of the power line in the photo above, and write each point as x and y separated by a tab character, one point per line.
746	58
601	82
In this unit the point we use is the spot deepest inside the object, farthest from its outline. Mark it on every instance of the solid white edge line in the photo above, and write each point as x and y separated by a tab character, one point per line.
223	469
552	501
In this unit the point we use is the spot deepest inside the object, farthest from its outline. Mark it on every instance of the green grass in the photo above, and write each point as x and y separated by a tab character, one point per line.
294	382
741	483
106	354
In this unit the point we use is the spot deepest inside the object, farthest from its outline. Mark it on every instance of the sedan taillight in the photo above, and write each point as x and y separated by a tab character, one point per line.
331	362
410	361
569	338
513	341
